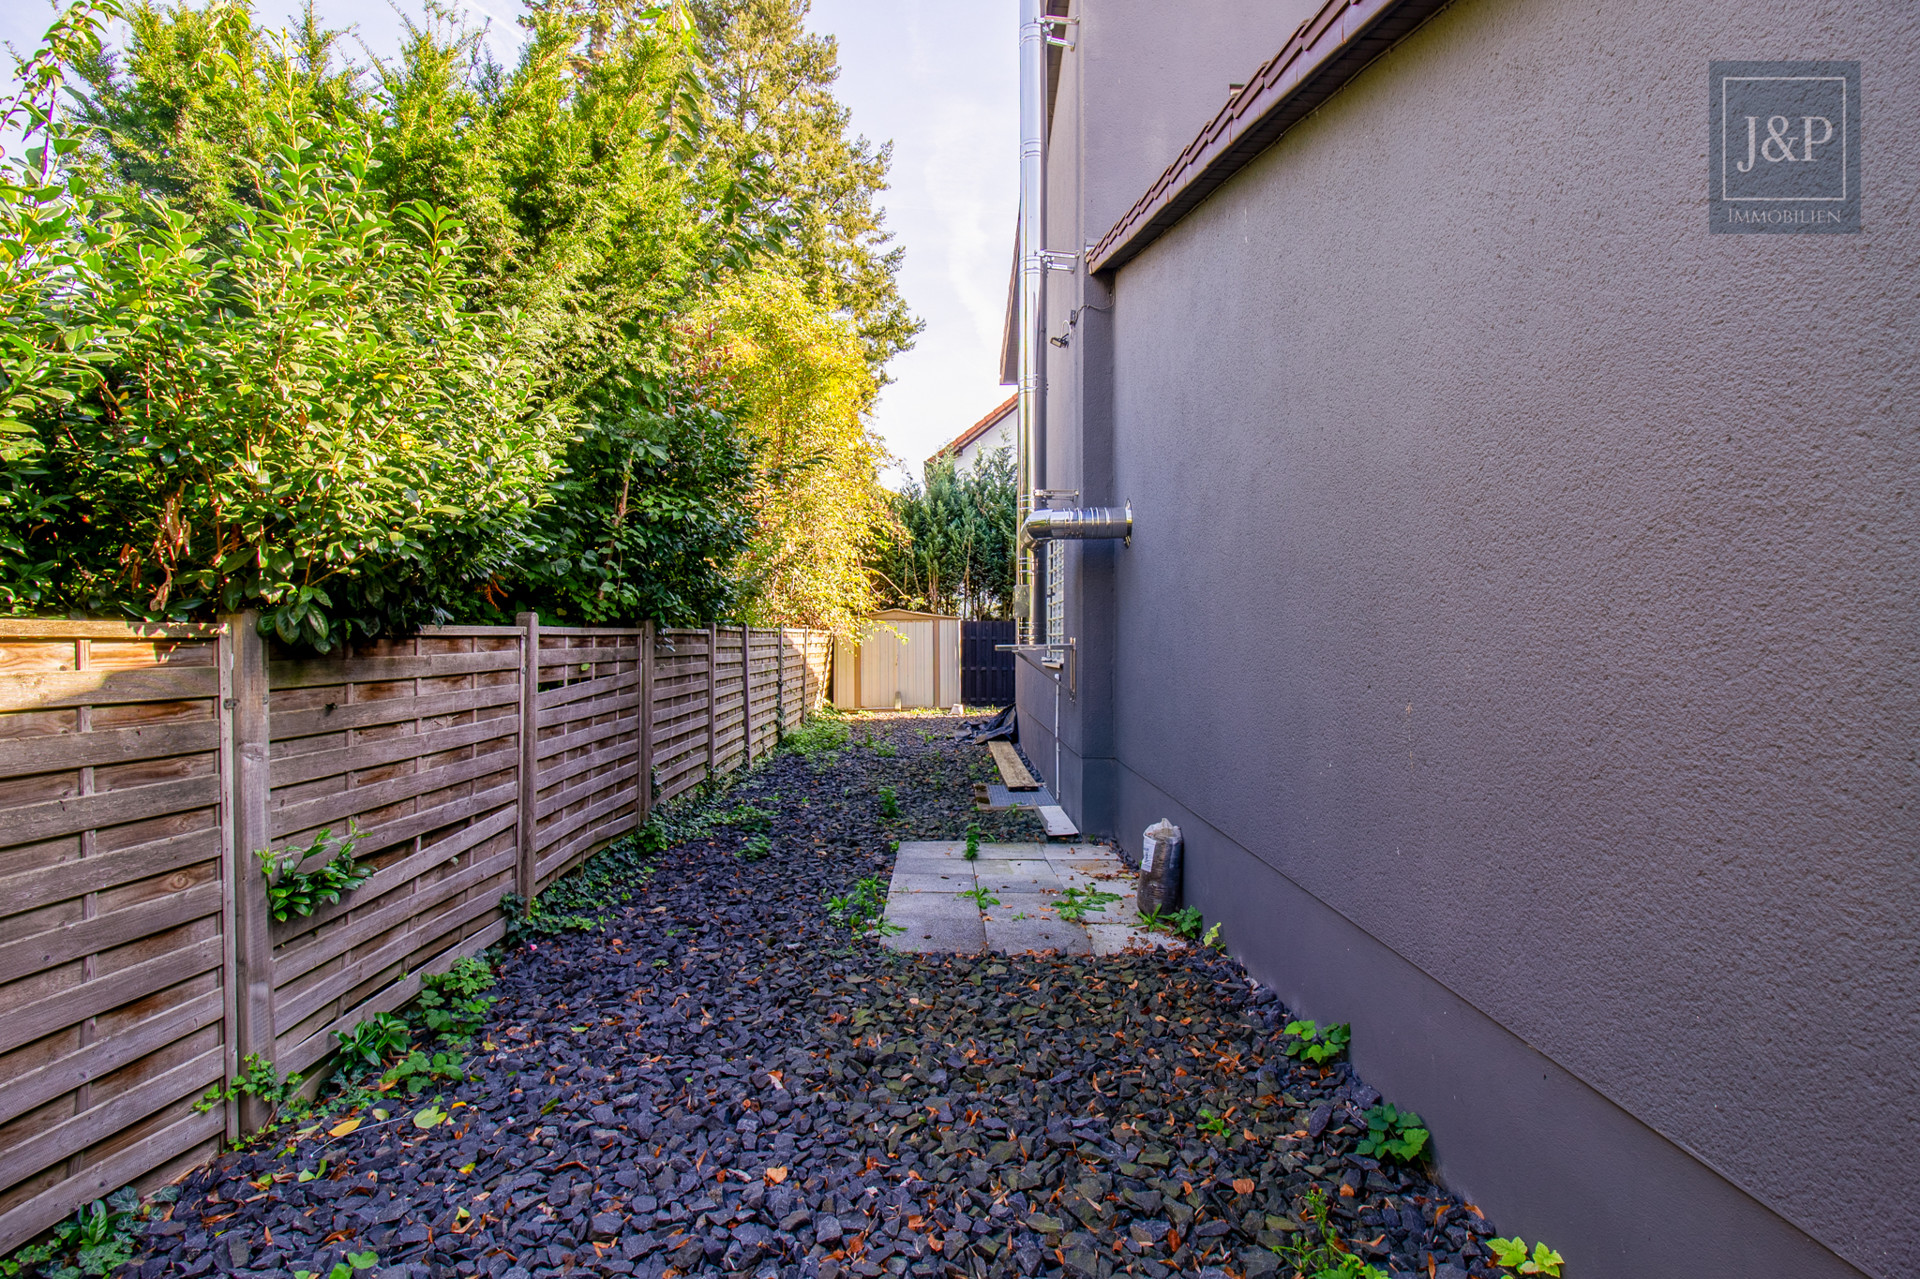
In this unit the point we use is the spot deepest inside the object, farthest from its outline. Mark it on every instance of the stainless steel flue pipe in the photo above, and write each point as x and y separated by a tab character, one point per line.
1033	269
1086	524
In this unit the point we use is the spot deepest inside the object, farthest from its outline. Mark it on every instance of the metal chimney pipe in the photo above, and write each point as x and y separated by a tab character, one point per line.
1088	523
1033	269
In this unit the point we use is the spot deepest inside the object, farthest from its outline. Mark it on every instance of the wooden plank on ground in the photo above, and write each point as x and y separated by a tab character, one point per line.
1058	824
1012	771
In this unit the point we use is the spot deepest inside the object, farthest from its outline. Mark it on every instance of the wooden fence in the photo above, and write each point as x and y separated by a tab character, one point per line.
141	768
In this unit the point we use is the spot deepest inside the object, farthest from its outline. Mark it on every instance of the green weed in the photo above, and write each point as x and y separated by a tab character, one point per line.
1318	1253
1511	1254
1392	1135
973	841
1184	922
292	891
1305	1041
1075	904
261	1079
822	733
862	910
981	897
355	1262
373	1041
889	802
96	1241
1211	1124
756	849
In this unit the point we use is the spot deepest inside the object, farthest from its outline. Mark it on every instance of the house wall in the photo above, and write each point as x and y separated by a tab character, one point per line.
1519	614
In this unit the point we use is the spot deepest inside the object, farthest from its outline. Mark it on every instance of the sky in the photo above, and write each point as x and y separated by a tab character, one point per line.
938	79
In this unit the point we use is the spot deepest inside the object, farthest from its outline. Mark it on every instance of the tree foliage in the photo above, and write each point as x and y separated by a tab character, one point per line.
436	339
951	544
804	388
773	109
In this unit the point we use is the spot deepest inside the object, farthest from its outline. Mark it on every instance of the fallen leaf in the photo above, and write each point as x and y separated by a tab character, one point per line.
431	1117
1346	1192
342	1128
776	1175
1243	1185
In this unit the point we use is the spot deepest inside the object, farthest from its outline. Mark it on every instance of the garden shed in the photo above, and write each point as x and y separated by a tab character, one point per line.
903	660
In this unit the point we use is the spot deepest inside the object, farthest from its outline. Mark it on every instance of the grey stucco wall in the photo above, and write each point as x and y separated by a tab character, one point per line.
1521	615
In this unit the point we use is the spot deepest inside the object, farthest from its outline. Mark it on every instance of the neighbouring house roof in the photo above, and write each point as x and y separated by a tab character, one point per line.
978	429
910	615
1329	49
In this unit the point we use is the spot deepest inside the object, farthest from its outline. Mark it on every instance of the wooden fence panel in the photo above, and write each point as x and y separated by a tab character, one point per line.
416	742
588	786
142	769
763	713
680	711
115	981
729	746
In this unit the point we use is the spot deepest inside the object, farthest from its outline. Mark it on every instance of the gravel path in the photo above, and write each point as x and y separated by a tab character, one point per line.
721	1080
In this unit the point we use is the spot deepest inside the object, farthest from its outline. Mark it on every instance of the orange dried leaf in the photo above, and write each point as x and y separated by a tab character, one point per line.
1243	1185
776	1175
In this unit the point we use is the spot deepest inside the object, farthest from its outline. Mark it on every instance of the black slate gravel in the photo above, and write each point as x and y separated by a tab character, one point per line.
719	1080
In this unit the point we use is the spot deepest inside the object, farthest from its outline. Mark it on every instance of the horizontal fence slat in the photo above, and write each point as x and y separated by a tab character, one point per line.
34	1088
32	823
292	770
57	752
71	940
325	810
56	689
65	1008
22	1159
290	724
95	1181
47	884
320	672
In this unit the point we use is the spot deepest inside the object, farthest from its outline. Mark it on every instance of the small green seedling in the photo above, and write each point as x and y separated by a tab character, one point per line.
1211	1124
861	909
981	897
1305	1041
1393	1135
355	1262
889	802
756	849
973	841
1212	940
1318	1252
1075	904
1511	1254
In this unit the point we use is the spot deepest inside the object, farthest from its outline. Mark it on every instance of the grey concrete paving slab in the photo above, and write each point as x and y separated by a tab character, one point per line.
1024	881
1009	876
1015	936
1117	939
955	935
918	881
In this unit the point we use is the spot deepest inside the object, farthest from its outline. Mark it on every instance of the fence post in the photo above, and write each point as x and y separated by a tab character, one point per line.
527	866
780	686
646	721
252	787
713	696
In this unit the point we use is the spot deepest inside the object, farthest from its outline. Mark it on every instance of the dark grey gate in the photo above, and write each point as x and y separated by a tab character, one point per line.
986	676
